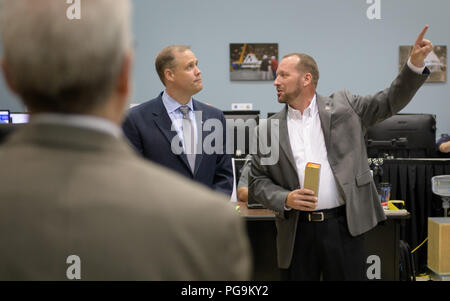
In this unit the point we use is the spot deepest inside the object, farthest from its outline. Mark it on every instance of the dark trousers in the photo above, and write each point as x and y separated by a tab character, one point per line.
326	250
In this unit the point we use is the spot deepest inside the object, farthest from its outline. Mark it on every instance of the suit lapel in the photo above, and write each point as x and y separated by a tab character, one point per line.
325	106
284	137
164	123
200	133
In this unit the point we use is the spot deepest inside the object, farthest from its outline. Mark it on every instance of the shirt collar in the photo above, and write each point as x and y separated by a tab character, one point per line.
172	105
310	111
81	121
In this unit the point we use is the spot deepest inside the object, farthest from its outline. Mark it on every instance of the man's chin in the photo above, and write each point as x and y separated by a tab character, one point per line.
281	100
197	90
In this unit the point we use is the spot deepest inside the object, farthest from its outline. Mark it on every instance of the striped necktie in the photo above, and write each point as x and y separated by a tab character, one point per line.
188	137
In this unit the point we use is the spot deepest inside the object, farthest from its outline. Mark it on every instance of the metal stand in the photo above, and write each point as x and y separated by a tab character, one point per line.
446	205
441	186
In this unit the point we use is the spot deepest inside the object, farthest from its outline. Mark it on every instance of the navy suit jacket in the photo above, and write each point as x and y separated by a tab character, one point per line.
148	128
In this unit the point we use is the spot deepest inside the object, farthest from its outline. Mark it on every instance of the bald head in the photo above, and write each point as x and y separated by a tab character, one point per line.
306	64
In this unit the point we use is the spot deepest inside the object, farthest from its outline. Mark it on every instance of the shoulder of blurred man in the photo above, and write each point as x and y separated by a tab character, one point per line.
135	191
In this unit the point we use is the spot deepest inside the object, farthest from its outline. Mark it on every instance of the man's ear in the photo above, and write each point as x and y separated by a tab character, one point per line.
308	79
169	75
6	76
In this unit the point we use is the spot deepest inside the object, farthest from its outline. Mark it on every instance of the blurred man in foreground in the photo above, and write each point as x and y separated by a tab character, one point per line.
77	202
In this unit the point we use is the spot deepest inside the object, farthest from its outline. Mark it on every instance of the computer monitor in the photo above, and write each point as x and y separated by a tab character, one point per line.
238	166
18	118
4	116
240	125
403	136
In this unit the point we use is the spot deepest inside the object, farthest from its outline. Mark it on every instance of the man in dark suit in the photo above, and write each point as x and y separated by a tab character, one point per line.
320	232
154	127
77	202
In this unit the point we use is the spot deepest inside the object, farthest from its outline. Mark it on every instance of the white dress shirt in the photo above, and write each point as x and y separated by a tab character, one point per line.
418	70
172	107
308	145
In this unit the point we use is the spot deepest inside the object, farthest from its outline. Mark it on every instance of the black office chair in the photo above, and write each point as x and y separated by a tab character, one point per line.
6	129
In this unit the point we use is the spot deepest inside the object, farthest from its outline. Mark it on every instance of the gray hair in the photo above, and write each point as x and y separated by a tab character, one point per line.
61	65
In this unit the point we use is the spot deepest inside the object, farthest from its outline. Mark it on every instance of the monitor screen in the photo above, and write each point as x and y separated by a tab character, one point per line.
17	118
403	136
4	116
238	166
240	125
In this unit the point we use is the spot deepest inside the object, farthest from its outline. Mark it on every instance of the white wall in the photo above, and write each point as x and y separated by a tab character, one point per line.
352	51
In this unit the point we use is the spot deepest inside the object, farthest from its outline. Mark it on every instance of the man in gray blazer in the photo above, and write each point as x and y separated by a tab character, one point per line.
76	201
320	232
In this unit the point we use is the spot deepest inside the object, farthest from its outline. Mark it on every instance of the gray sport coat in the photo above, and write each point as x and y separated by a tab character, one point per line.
73	191
344	119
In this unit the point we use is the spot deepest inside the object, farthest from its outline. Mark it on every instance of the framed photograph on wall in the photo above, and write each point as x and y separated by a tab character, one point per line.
436	61
255	62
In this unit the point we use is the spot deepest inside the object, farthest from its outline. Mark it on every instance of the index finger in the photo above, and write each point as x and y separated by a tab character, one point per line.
422	34
307	191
